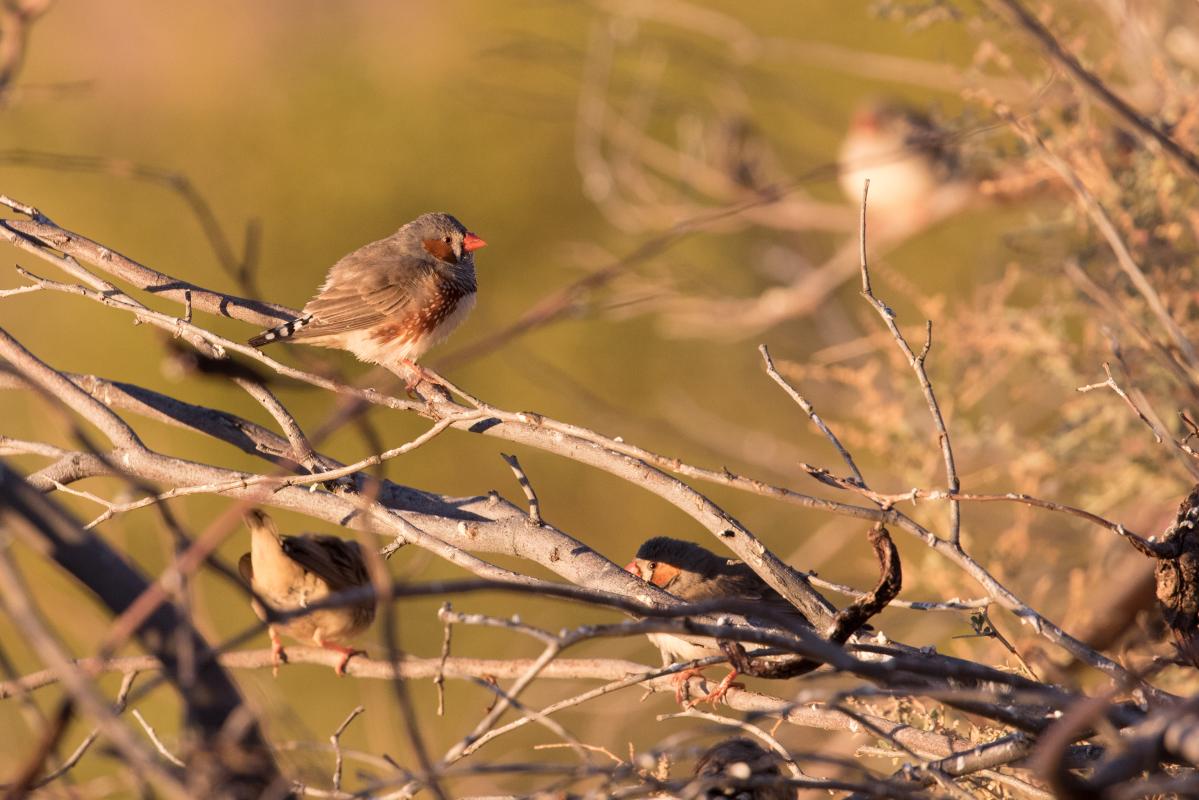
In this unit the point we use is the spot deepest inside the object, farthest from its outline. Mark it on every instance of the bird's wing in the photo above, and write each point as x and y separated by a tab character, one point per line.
733	581
335	561
246	567
364	289
743	583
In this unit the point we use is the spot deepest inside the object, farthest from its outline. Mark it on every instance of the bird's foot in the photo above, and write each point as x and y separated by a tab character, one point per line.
680	683
278	655
416	375
717	694
492	681
346	654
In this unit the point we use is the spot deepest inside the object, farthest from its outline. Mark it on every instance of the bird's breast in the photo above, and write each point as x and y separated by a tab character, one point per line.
679	648
431	317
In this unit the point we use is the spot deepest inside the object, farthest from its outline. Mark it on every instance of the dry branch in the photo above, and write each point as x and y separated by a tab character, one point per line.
210	697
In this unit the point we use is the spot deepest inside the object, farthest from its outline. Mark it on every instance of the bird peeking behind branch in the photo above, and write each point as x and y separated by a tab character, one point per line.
388	302
740	768
291	572
691	573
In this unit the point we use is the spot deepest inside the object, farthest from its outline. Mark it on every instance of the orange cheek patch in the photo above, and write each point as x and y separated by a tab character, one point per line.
440	250
663	574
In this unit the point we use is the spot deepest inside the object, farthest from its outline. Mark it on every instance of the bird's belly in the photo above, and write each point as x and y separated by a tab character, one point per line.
898	179
676	648
388	344
330	625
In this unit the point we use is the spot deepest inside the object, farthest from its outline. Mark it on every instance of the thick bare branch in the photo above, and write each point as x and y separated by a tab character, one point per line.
54	384
211	699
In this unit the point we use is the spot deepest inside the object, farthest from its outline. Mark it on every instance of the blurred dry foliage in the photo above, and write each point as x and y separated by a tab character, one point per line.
1012	422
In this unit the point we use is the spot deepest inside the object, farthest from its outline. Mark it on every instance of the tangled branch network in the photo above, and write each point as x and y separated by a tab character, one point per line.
1036	731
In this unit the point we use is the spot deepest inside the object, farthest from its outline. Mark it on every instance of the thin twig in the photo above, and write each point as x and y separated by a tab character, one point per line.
77	754
439	678
751	729
807	408
302	452
917	364
158	745
335	740
1181	155
21	290
527	486
1110	383
28	619
1103	222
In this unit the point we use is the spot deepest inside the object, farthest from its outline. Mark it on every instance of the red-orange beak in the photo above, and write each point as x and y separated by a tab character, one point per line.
865	120
631	567
472	242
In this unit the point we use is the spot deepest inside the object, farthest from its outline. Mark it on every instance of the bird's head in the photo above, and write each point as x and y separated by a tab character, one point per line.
444	238
661	560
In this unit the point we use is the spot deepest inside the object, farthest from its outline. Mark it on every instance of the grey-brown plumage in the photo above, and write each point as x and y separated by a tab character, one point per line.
389	301
692	573
290	572
741	768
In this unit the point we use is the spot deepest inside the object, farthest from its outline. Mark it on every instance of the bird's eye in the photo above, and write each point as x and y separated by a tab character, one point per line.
446	239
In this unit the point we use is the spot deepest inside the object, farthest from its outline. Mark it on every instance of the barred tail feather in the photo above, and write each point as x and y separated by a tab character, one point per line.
280	332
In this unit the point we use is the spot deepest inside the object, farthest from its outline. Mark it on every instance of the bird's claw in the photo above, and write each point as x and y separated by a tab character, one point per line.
717	695
278	655
681	684
416	375
346	654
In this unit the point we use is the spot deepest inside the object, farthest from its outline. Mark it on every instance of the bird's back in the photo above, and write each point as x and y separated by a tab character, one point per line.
737	581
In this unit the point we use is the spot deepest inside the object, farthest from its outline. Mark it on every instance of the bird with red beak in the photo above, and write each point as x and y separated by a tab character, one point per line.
388	302
692	573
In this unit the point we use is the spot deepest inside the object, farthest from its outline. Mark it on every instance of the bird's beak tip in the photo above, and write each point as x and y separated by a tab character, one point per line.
472	243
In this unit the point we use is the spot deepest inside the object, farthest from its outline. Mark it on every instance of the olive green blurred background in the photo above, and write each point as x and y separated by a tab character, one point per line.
332	124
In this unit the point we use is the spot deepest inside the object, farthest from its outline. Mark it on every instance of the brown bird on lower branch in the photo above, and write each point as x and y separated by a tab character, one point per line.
741	768
691	573
291	572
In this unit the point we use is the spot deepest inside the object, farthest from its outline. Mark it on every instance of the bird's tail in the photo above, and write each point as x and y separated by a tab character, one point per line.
271	570
280	332
259	520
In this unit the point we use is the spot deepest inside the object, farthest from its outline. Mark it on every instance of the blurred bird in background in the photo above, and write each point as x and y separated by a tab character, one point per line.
915	172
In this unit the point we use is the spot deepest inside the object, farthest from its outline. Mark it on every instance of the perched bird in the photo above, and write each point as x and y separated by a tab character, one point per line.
291	572
744	769
915	174
388	302
691	573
